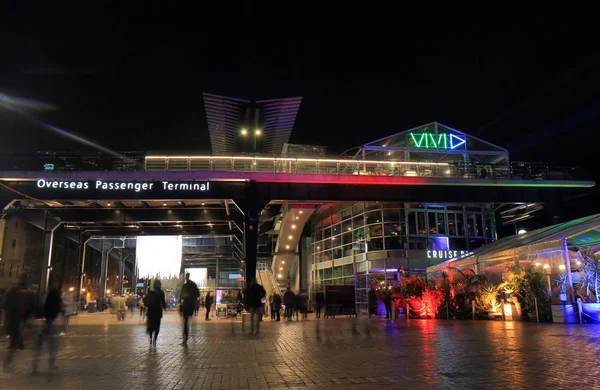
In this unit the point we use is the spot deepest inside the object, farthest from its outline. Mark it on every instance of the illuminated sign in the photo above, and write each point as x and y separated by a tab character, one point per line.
125	186
445	254
437	141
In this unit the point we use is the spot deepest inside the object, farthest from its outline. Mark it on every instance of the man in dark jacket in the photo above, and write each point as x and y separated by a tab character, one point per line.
255	295
18	304
277	306
189	296
319	302
208	301
155	303
288	301
52	307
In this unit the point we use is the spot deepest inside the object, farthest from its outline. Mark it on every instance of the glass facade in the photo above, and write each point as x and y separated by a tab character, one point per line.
345	243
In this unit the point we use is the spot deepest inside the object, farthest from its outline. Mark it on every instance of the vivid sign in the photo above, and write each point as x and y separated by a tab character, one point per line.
124	186
437	141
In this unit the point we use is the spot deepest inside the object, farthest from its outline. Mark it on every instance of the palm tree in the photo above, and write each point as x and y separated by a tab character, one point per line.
590	273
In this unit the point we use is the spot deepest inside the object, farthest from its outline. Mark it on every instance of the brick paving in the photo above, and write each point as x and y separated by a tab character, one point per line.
100	353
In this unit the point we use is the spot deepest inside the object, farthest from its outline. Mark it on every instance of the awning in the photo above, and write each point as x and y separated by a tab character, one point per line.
580	232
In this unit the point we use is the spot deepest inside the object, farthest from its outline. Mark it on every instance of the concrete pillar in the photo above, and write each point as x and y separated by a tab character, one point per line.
50	227
251	235
121	272
103	270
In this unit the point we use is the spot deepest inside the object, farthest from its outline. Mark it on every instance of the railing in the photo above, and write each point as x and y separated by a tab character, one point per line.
137	161
515	170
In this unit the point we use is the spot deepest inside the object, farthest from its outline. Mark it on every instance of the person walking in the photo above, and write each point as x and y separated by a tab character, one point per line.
387	300
208	301
303	302
189	296
288	301
155	303
319	302
372	302
254	299
18	304
52	307
142	309
271	305
276	306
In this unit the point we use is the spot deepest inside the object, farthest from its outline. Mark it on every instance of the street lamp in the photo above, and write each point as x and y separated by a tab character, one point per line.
257	133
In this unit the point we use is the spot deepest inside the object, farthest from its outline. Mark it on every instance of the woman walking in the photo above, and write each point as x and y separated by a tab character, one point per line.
155	303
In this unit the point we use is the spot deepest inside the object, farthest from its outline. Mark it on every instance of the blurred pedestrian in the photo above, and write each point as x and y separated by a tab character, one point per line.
52	307
288	301
303	302
189	296
276	307
271	308
319	302
254	300
131	304
372	302
19	303
142	308
155	303
208	301
387	300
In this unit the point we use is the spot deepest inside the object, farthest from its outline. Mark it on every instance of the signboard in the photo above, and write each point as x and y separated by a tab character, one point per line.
222	310
429	140
445	254
115	186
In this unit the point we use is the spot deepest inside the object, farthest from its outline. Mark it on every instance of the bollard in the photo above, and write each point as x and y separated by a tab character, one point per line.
537	312
473	309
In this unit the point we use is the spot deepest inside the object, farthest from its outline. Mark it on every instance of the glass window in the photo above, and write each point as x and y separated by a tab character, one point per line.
361	281
458	244
327	233
373	217
375	244
337	241
479	224
391	215
327	244
347	238
412	222
327	273
421	228
432	223
347	249
337	253
417	243
392	229
451	224
372	206
460	224
336	229
327	256
441	223
346	214
394	243
359	234
347	226
358	222
337	272
471	225
349	281
357	208
348	270
375	231
475	243
488	225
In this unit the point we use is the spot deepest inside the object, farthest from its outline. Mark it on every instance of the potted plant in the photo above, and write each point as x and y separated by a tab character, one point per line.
561	283
589	285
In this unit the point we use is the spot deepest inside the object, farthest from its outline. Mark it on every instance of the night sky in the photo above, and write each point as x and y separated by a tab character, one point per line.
526	81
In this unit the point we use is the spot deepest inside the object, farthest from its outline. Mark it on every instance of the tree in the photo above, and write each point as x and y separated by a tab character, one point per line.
590	273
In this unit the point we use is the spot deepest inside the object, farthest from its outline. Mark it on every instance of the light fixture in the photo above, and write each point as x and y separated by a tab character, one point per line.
318	247
300	212
71	288
349	228
537	264
108	204
257	132
244	132
293	226
522	231
282	261
578	262
281	268
202	203
287	247
447	172
108	291
561	267
164	203
83	290
546	266
290	237
297	217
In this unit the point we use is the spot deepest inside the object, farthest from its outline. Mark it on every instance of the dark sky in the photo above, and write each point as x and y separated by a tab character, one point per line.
527	81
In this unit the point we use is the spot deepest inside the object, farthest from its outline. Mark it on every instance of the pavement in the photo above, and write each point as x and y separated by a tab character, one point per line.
98	352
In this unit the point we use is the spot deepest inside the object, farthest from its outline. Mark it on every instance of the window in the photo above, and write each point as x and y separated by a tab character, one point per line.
358	222
375	244
327	273
479	224
471	225
417	243
441	223
432	223
348	270
392	243
452	224
13	244
391	215
10	271
347	238
373	217
421	228
460	224
392	229
412	222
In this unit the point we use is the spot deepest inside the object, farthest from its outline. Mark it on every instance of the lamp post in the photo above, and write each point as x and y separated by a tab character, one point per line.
257	133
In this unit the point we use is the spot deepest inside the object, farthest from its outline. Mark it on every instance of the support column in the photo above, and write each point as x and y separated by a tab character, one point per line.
565	252
82	272
103	269
251	236
121	272
50	227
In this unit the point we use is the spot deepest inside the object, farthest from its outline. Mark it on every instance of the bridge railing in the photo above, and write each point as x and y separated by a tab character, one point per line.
516	170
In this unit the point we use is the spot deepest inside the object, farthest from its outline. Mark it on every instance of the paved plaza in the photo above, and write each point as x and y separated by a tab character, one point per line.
100	353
